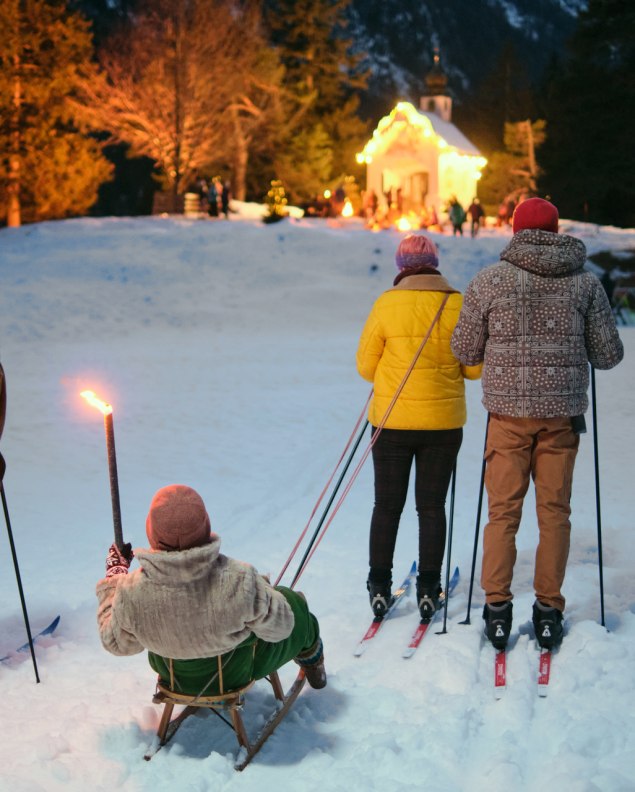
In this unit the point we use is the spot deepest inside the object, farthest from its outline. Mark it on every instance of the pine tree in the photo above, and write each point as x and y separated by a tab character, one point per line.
588	156
503	96
323	75
44	51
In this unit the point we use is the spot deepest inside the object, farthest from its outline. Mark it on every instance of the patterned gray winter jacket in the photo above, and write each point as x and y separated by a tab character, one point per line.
536	320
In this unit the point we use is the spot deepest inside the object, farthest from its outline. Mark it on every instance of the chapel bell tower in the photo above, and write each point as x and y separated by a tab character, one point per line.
436	98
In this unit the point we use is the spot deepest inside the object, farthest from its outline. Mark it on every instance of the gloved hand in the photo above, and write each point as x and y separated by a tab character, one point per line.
118	561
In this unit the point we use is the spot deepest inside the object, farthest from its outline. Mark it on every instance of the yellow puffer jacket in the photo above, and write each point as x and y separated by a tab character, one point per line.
434	394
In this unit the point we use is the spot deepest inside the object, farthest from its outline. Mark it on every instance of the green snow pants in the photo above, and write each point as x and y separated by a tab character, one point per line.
252	659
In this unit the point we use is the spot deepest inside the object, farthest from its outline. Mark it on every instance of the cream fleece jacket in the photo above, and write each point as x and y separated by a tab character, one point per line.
189	604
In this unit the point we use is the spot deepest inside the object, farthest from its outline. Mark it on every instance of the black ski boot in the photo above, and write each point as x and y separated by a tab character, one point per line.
379	585
498	623
547	625
429	596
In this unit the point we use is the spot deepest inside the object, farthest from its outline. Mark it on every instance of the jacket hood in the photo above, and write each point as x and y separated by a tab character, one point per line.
176	567
545	253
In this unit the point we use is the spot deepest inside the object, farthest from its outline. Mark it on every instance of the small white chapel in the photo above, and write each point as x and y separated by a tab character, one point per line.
422	154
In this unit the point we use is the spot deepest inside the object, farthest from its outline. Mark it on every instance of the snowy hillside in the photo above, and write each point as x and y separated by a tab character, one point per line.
227	350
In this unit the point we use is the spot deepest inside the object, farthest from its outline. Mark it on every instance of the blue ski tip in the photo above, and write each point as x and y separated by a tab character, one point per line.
52	626
46	631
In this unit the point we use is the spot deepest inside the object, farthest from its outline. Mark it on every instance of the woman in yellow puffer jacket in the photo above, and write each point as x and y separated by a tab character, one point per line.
425	423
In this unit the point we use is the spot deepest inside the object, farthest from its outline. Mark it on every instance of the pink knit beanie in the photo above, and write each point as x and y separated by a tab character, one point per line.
535	213
416	250
177	519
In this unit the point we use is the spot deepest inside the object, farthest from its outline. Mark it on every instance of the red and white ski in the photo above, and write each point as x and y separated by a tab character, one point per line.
500	674
544	672
422	627
376	623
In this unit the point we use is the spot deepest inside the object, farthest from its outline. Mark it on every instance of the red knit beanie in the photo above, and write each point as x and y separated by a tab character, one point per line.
535	213
177	519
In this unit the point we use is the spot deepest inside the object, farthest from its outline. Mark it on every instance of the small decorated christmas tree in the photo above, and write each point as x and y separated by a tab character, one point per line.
276	201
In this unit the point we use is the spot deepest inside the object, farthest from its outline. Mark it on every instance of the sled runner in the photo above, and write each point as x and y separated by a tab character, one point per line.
230	703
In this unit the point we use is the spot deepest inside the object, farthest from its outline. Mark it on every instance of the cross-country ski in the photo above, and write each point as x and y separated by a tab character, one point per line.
48	630
544	672
397	596
500	673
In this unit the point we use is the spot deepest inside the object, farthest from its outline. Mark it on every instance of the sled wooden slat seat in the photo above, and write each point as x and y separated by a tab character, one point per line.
230	702
221	700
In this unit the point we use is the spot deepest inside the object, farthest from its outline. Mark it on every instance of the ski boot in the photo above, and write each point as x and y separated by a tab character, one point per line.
379	592
498	623
547	625
429	596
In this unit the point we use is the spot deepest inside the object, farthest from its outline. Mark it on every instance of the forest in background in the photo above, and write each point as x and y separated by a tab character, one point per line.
106	101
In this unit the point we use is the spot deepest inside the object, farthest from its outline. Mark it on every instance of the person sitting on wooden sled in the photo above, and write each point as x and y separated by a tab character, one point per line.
190	605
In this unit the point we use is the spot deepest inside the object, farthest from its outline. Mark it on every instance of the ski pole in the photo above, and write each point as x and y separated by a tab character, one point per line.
16	566
329	504
449	553
597	492
477	528
328	484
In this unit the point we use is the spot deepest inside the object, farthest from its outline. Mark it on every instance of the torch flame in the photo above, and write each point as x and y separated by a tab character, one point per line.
103	407
347	211
403	224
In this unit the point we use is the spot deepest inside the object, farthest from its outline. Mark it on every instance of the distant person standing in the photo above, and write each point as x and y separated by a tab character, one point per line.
371	202
225	198
456	214
511	208
212	199
476	213
535	320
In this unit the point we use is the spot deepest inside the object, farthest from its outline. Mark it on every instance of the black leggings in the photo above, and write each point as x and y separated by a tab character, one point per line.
434	453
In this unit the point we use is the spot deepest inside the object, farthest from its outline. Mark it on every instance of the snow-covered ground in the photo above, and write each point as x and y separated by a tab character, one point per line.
227	350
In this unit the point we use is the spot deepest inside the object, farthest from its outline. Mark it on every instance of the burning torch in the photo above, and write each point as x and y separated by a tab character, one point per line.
106	410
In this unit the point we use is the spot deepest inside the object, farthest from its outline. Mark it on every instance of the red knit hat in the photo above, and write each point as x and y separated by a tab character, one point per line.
535	213
177	519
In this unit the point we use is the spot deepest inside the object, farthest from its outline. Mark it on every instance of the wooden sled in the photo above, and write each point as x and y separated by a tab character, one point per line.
230	703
